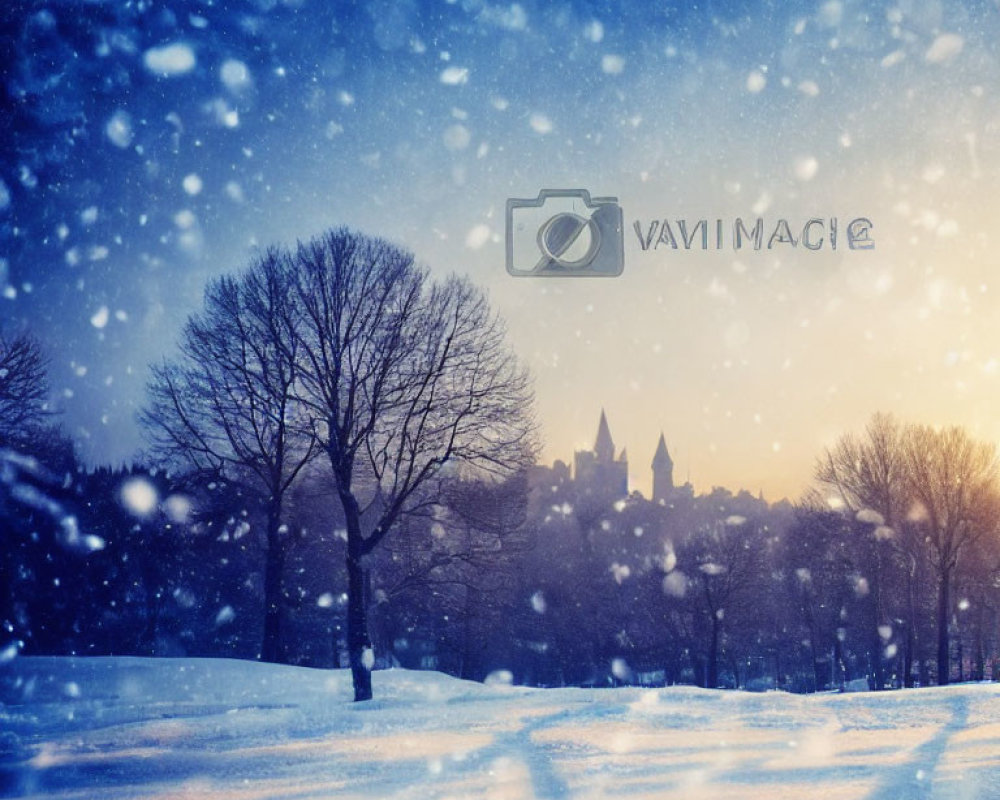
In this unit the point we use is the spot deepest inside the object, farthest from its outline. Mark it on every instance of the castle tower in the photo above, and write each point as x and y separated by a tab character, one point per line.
663	473
604	447
598	472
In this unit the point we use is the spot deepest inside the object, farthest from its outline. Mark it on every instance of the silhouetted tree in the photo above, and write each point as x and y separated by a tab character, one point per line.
228	406
727	567
954	482
23	389
929	495
401	376
458	563
866	474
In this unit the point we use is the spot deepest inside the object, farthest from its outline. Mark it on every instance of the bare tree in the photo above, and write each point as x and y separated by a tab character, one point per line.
953	480
460	562
227	405
23	387
937	492
402	378
730	562
868	473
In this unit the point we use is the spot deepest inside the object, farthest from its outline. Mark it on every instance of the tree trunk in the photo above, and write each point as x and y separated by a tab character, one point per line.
980	673
358	642
819	678
472	637
712	671
910	646
151	581
839	669
819	673
271	649
881	618
734	664
944	605
877	660
909	656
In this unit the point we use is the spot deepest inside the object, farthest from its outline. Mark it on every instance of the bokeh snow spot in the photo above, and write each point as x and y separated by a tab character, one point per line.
119	129
235	75
499	677
756	81
139	496
477	236
10	651
620	669
226	615
594	31
871	516
192	184
675	584
806	168
612	64
178	509
170	60
540	123
944	48
454	76
99	319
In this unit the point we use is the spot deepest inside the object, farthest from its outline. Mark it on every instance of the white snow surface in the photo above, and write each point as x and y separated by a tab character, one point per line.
192	728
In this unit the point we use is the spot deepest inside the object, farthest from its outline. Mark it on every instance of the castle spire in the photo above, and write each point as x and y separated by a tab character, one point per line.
662	457
663	472
604	447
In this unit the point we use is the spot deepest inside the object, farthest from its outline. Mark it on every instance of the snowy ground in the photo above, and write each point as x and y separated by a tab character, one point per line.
126	727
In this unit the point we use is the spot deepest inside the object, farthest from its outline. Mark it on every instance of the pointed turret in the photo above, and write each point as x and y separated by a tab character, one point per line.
663	472
596	472
604	447
662	457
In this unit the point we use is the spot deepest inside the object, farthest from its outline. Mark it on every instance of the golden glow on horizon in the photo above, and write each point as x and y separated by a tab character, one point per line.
752	363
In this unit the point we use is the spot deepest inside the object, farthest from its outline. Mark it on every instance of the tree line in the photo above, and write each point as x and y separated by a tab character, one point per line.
339	473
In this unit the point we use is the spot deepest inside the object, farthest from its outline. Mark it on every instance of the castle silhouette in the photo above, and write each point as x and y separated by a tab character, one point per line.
599	472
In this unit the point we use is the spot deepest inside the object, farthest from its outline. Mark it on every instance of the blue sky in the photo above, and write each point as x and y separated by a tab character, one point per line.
135	171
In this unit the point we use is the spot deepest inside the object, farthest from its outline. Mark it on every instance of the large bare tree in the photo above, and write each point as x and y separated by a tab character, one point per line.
403	377
23	387
227	404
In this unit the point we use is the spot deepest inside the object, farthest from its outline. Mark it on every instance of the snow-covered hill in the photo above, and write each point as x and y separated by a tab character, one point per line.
127	727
